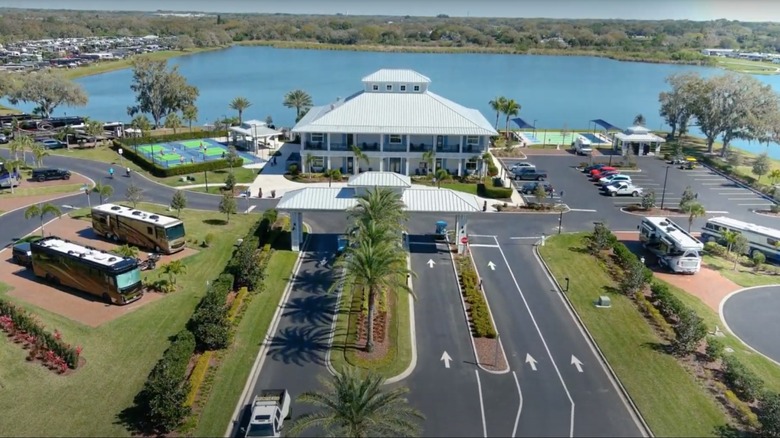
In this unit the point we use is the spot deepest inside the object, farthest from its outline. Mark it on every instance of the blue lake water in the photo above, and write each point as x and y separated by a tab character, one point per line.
553	90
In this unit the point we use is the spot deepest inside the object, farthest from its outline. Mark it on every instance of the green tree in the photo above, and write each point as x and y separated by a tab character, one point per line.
381	206
648	200
94	128
240	104
227	205
735	242
635	277
47	90
359	155
20	143
179	202
189	114
248	266
761	165
693	209
210	323
104	191
158	91
134	194
300	100
333	174
230	182
511	108
38	152
600	239
142	123
677	104
127	251
354	406
497	105
689	332
40	211
309	161
540	194
734	159
12	166
639	120
774	175
172	121
174	269
687	197
441	175
769	414
429	157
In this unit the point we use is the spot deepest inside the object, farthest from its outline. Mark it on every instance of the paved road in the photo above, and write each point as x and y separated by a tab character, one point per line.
752	316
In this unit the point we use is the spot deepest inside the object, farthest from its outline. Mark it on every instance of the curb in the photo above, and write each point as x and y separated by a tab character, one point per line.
639	419
764	214
623	210
412	332
567	210
726	325
466	317
66	195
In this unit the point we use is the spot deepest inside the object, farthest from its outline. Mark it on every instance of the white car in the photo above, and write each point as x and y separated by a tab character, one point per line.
614	178
623	188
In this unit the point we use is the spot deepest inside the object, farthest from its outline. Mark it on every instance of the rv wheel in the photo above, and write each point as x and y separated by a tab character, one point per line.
107	298
157	249
115	238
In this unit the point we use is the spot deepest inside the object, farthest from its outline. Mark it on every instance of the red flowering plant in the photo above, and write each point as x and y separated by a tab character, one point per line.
6	323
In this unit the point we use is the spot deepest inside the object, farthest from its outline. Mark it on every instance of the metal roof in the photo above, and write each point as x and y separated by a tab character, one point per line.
259	131
379	179
88	253
639	138
397	75
143	216
395	113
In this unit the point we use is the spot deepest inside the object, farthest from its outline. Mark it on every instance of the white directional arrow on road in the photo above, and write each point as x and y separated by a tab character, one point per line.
576	362
430	265
492	266
446	358
531	361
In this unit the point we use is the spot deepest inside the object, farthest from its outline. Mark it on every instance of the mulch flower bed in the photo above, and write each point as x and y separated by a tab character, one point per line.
655	211
382	320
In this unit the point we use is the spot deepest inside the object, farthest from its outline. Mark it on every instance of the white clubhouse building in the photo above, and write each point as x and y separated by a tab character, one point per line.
394	120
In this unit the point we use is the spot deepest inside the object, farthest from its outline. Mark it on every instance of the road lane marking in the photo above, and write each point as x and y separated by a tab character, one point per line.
482	235
745	198
756	205
586	210
526	237
716	212
520	407
482	245
541	337
481	405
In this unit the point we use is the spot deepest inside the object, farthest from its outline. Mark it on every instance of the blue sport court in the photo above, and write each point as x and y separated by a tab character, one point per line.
176	153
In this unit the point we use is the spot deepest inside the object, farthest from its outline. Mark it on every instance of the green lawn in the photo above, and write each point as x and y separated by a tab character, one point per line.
399	355
237	364
6	111
672	402
107	66
470	188
20	192
699	145
743	276
119	354
746	66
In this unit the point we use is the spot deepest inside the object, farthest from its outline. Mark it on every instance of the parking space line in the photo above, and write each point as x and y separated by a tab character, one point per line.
717	212
482	245
482	235
749	198
524	237
712	184
481	405
732	188
757	205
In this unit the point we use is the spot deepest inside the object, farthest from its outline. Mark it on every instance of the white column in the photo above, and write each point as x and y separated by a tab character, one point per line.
381	164
381	142
407	163
460	167
408	143
461	226
296	232
328	141
330	165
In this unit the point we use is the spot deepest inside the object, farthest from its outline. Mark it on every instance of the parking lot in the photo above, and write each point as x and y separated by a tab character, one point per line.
719	195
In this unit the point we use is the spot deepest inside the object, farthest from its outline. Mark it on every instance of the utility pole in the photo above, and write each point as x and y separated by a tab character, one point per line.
663	193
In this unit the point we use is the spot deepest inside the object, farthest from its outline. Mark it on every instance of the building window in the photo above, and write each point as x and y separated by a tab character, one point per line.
395	139
318	162
471	165
375	87
403	87
416	88
318	137
472	140
389	87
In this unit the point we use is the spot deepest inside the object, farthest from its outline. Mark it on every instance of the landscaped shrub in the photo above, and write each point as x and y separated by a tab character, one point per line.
623	255
668	304
769	414
162	399
210	323
689	332
235	306
714	248
746	384
746	415
714	349
635	276
197	376
656	316
492	192
758	260
245	265
482	325
600	239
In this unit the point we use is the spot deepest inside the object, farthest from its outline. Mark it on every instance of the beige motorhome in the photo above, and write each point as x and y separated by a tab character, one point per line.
136	227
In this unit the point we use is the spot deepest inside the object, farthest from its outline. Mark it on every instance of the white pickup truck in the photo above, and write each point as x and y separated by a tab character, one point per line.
269	410
623	188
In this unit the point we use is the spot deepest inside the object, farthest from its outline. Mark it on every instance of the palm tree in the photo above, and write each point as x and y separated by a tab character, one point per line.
20	143
333	174
142	123
190	114
639	120
240	104
40	211
309	161
359	155
355	406
104	191
94	128
127	251
12	166
730	237
174	269
511	108
429	157
497	105
379	205
694	209
65	134
172	121
441	175
300	100
38	152
774	175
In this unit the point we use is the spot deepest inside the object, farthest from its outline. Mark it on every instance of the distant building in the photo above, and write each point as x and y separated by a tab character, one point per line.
717	52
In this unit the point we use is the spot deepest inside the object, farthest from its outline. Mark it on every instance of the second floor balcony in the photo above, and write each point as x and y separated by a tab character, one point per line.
315	146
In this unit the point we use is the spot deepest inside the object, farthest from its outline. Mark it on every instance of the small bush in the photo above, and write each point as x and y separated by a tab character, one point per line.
655	315
490	192
714	248
481	324
208	240
744	383
774	208
235	306
714	349
758	260
746	415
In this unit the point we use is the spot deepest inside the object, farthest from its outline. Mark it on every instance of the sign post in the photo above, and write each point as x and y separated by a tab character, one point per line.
121	157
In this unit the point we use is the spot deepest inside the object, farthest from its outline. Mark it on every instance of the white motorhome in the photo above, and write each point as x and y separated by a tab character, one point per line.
674	247
583	146
760	239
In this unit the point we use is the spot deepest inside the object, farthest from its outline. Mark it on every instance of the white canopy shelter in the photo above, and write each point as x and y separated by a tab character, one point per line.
639	139
250	133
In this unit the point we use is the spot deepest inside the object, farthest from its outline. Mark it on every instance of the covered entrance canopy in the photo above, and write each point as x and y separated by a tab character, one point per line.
330	199
250	133
604	124
638	140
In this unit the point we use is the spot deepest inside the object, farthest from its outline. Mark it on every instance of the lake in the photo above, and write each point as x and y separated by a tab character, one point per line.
553	90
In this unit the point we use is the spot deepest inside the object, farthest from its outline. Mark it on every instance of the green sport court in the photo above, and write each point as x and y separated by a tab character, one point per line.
551	137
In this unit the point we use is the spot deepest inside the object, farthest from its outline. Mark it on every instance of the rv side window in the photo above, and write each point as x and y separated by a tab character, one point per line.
160	233
149	230
771	241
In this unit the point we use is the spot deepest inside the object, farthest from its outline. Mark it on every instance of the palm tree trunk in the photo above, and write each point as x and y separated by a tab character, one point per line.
497	115
43	232
370	323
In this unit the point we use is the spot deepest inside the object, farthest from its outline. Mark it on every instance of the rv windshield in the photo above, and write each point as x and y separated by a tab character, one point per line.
175	232
128	279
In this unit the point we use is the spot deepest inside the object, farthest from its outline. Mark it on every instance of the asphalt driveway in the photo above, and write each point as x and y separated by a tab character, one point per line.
752	316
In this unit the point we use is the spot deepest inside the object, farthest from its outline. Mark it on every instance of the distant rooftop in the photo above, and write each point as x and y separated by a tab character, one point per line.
379	179
396	75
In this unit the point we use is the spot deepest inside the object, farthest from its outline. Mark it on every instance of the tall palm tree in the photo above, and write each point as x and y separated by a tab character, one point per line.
354	406
511	108
104	191
240	104
360	156
12	166
694	209
497	105
142	123
65	134
172	121
94	128
190	114
309	161
20	143
429	157
38	152
40	211
333	174
639	120
174	269
300	100
127	251
380	205
441	175
774	175
730	237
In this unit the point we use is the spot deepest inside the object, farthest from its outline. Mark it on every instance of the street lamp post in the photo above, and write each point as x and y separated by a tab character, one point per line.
663	193
534	127
567	283
560	216
206	177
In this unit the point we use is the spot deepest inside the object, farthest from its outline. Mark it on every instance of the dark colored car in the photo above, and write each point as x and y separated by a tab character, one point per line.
588	169
21	254
50	143
48	174
530	174
530	188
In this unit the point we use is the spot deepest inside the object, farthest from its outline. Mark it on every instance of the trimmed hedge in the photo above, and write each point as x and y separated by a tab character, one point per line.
235	306
744	382
129	152
210	323
491	192
197	376
481	324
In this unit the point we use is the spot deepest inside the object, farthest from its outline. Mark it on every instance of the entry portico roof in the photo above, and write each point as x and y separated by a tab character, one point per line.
343	198
638	134
255	131
379	179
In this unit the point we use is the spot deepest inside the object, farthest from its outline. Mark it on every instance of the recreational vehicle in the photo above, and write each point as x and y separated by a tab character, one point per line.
147	230
674	247
113	278
760	239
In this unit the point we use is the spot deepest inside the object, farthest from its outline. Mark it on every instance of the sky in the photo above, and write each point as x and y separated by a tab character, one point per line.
700	10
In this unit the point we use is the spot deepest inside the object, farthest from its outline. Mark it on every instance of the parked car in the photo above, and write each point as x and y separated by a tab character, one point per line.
41	175
521	165
602	169
3	139
530	173
530	188
50	143
588	169
614	178
623	188
21	254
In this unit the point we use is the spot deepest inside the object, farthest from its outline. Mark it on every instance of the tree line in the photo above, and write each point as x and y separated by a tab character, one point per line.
678	40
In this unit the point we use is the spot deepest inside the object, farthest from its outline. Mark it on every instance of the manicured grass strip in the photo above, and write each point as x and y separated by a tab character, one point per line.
670	399
239	358
20	192
743	276
119	354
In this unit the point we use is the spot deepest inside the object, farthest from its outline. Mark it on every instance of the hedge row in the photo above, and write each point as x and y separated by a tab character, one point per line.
209	323
24	322
162	172
745	383
482	325
492	192
179	136
197	375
